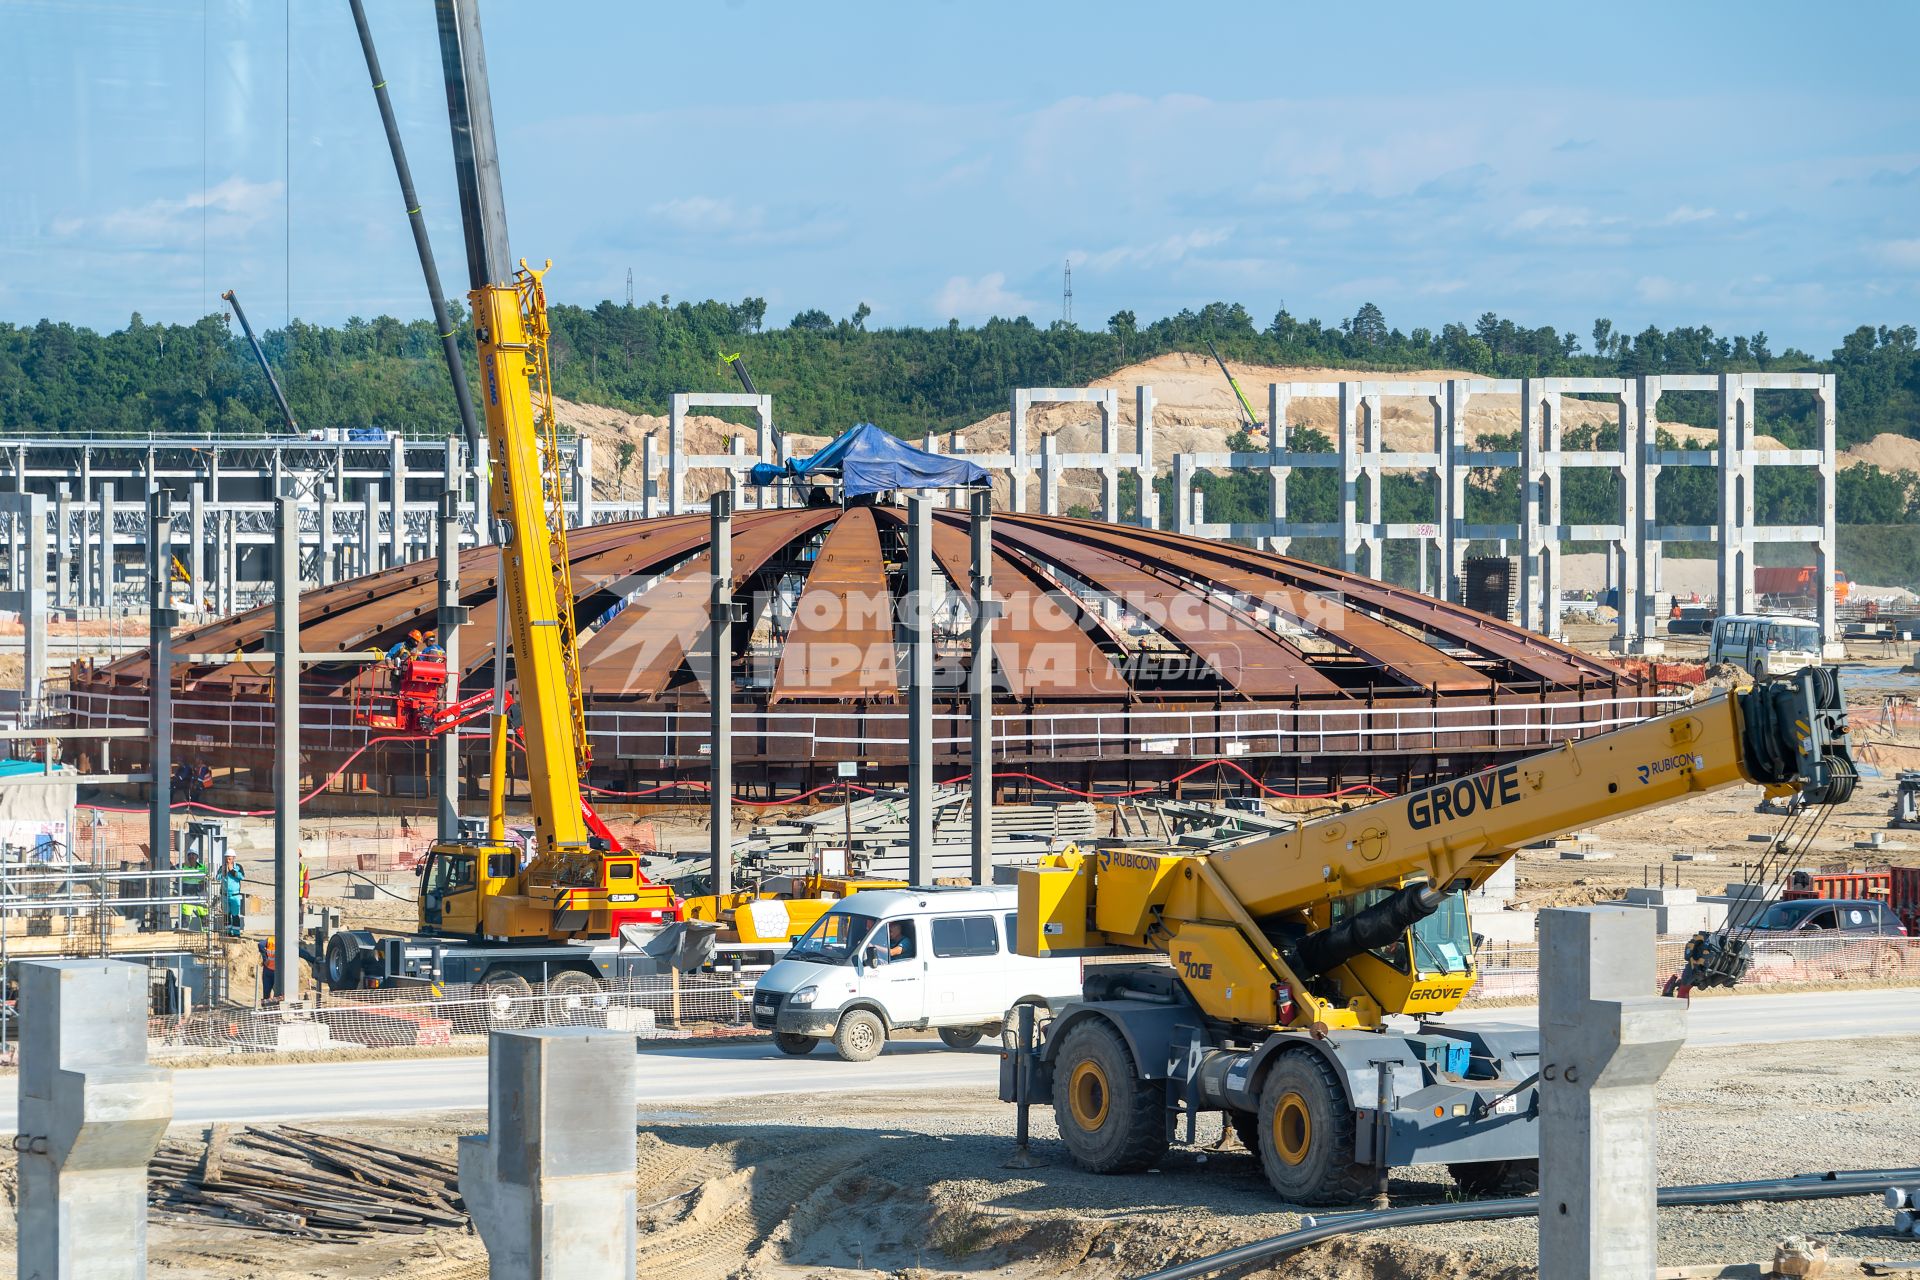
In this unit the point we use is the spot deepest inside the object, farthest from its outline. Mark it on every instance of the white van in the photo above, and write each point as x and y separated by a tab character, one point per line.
886	960
1763	645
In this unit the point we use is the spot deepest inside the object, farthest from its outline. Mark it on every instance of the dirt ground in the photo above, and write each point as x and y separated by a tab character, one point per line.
799	1187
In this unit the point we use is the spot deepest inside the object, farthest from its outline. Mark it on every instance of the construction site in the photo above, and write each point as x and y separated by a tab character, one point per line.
956	854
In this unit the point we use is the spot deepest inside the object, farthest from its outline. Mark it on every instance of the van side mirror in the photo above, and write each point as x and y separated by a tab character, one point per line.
874	957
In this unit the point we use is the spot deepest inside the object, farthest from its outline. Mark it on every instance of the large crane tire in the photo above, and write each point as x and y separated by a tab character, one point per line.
1111	1120
507	1003
1307	1133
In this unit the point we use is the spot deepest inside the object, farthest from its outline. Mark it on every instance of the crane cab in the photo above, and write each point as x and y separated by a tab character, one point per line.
478	890
1425	969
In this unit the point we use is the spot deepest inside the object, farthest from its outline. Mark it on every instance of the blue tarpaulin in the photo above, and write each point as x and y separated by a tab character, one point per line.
870	460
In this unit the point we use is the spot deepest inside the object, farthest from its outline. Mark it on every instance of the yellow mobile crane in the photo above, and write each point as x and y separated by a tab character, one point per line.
1288	955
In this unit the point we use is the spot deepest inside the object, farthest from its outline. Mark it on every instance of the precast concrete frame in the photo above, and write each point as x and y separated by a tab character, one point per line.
736	463
1635	539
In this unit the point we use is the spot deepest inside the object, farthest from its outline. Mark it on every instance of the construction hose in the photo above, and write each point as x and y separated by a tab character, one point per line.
1814	1186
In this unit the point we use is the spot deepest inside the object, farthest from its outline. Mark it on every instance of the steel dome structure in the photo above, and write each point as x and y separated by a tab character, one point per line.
1124	656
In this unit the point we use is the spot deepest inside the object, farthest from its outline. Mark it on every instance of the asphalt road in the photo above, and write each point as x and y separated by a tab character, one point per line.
686	1073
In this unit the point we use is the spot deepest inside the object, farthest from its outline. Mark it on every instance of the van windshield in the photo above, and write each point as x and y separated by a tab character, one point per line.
1781	636
833	938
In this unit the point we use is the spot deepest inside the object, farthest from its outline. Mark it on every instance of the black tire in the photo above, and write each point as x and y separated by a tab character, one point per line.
860	1036
961	1037
1111	1120
574	999
1497	1177
793	1044
1307	1132
343	962
1888	963
508	1003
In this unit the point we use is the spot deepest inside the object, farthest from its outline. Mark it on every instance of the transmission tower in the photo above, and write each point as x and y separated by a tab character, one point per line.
1066	295
629	286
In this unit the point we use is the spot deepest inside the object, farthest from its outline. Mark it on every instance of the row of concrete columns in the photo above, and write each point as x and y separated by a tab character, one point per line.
550	1186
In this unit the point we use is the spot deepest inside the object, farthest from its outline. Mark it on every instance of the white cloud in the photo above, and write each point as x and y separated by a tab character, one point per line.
1656	289
709	213
233	206
1687	213
964	299
1159	253
1552	217
1904	254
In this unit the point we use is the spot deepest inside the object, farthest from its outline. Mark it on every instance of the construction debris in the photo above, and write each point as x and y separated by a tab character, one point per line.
296	1182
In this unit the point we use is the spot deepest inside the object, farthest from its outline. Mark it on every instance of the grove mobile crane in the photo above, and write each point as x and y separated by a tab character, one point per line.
1289	955
484	916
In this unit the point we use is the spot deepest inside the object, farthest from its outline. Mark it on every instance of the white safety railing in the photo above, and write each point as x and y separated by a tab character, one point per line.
682	736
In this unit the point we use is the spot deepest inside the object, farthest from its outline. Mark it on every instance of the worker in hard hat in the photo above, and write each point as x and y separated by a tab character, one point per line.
233	895
193	886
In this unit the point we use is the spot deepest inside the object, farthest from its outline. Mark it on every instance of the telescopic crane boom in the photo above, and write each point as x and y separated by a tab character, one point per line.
1307	942
279	396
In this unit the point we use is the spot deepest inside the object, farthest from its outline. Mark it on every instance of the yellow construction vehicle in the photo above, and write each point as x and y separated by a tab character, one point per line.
777	909
1287	956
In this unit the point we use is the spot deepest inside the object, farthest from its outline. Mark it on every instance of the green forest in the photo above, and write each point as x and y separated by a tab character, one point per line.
827	374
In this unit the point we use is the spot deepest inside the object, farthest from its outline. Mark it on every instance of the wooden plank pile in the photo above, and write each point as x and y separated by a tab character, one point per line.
1021	833
308	1185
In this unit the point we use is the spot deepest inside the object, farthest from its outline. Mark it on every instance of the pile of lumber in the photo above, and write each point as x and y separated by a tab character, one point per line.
1021	833
296	1182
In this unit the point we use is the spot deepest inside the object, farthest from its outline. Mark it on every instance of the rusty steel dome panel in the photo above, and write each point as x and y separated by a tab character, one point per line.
1122	653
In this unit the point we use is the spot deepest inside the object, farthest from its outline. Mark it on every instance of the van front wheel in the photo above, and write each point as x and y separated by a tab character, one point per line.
859	1037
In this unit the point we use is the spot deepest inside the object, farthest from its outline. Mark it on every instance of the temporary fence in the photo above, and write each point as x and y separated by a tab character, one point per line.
668	1006
1512	972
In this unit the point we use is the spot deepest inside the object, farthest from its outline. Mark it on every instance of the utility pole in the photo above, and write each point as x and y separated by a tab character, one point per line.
920	694
985	610
720	694
161	620
286	750
452	614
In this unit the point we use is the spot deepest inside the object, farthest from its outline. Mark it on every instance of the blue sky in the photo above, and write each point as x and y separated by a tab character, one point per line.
1751	167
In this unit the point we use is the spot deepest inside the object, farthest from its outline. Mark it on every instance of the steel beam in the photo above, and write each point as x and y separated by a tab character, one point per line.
162	618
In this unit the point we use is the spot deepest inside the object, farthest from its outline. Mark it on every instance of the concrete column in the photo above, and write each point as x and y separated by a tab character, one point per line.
92	1113
1552	486
980	686
369	558
1279	442
720	693
1375	440
1018	471
27	593
197	546
1050	476
108	545
1736	494
1454	476
1350	467
285	643
649	479
329	552
162	618
1442	503
397	495
1826	551
1182	493
1109	447
1143	446
1533	480
1632	533
1647	481
676	472
920	779
1604	1043
229	562
63	549
550	1184
449	620
583	483
86	595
